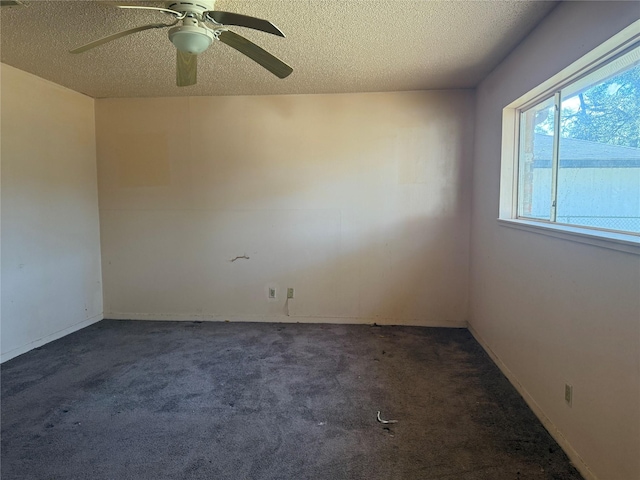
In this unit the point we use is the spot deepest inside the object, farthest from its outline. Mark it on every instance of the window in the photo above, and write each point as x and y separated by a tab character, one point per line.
578	149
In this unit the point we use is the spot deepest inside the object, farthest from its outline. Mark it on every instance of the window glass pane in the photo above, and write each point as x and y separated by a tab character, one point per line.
599	156
534	161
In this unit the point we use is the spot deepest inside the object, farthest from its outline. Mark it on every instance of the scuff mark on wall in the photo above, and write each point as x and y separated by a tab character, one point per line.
241	256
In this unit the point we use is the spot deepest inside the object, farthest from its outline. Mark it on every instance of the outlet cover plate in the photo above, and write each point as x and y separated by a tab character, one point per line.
289	292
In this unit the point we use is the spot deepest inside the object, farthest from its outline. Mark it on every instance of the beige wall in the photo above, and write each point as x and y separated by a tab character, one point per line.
551	310
51	280
360	202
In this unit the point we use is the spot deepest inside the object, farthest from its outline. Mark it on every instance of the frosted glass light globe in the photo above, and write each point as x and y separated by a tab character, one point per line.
190	39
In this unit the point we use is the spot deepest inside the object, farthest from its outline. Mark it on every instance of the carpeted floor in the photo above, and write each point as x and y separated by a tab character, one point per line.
181	400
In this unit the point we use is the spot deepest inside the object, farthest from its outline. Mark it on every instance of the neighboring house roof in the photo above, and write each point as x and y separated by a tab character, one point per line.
575	153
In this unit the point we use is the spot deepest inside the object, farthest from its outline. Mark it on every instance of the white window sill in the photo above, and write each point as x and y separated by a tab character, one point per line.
599	238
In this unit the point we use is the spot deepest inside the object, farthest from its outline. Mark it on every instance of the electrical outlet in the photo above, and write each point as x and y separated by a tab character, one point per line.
568	394
289	292
272	293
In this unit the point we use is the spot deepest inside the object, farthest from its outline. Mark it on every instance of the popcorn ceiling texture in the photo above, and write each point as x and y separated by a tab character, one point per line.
334	46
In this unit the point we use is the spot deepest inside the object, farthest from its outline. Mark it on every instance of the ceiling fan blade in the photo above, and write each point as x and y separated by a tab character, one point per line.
186	69
140	7
255	53
115	36
11	3
228	18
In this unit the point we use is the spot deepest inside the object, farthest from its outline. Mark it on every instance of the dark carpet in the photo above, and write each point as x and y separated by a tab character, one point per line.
188	400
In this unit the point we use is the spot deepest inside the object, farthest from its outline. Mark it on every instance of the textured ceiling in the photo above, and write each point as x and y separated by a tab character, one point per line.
333	46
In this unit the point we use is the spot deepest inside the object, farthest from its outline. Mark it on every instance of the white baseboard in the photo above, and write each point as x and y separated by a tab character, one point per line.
49	338
280	319
575	458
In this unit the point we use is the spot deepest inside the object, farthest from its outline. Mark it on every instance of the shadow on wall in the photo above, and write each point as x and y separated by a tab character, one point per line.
413	273
359	202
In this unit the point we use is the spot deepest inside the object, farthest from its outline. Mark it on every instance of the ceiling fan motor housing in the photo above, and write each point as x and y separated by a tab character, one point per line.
196	7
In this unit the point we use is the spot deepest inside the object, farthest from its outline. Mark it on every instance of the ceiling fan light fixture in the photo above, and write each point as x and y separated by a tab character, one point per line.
190	39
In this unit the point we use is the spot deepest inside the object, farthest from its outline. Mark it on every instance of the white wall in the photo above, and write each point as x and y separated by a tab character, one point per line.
51	279
358	201
551	310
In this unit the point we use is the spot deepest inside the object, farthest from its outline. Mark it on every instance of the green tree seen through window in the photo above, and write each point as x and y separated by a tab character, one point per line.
608	112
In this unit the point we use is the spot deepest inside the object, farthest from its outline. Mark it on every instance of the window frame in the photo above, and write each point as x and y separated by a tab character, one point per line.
617	46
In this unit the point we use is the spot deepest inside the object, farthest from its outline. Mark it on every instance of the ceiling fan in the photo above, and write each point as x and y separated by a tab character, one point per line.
196	25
